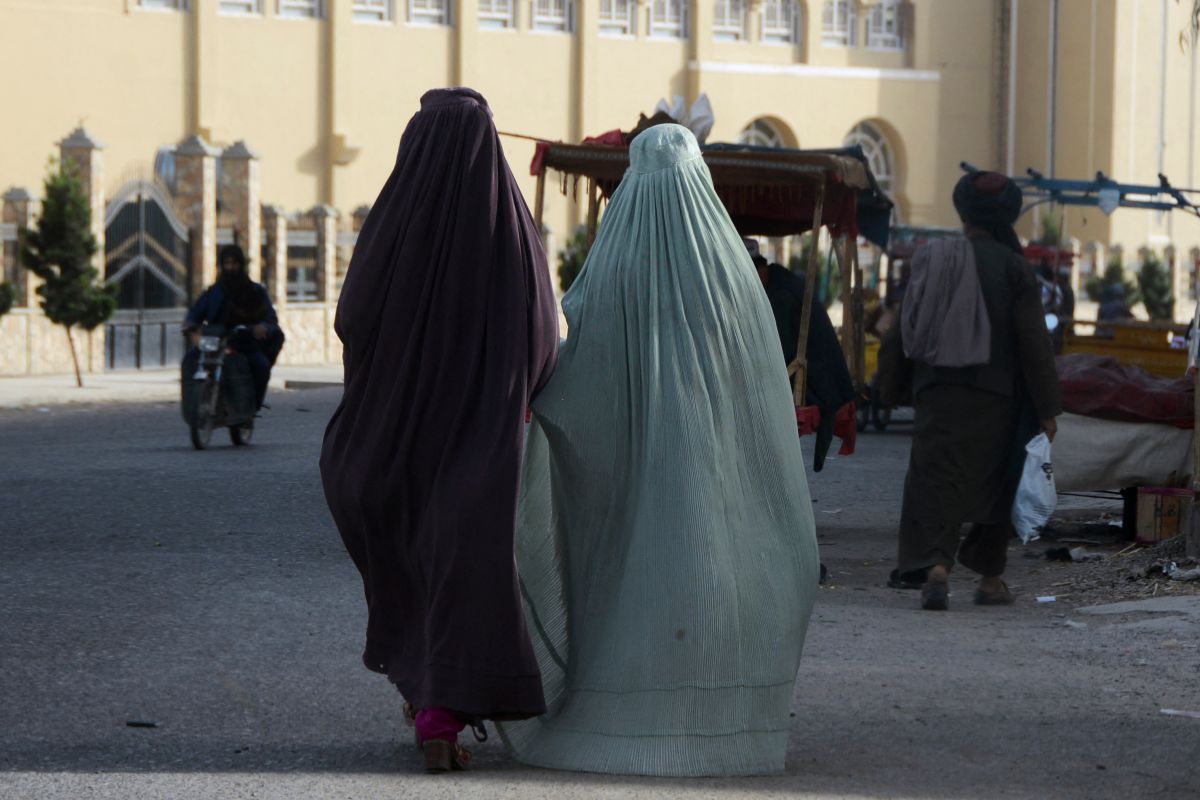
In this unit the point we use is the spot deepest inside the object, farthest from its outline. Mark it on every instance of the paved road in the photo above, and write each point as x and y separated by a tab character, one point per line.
208	593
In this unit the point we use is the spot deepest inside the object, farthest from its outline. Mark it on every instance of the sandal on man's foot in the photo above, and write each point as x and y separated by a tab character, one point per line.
935	596
1001	598
444	756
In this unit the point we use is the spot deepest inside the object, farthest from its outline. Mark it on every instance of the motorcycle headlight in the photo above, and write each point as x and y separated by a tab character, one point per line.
210	344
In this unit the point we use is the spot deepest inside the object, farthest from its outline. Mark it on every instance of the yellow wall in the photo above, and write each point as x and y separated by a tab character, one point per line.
142	79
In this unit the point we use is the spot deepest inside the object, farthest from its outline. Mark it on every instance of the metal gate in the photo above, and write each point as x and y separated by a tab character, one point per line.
146	258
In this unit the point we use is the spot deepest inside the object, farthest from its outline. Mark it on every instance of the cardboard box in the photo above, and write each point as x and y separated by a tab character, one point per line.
1162	513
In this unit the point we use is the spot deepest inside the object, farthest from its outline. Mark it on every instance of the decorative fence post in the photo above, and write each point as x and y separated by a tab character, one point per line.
241	190
274	268
19	211
196	198
326	220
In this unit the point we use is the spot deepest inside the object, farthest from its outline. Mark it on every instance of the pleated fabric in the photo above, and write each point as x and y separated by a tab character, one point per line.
449	328
665	537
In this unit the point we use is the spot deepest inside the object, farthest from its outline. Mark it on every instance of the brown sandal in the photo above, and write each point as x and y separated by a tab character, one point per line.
444	756
1004	598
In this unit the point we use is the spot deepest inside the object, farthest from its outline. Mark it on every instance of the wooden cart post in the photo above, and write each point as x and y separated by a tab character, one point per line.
539	201
847	255
860	338
799	367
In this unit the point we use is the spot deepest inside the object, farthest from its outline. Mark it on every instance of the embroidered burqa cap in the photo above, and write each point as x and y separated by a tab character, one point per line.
665	536
448	328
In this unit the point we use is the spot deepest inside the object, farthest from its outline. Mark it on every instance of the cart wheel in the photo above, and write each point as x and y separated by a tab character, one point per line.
862	414
881	415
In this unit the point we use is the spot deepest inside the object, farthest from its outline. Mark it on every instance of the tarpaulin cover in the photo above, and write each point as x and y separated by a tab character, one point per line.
1099	386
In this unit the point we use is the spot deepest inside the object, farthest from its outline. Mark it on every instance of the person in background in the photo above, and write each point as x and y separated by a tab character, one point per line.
984	379
236	300
829	386
1112	307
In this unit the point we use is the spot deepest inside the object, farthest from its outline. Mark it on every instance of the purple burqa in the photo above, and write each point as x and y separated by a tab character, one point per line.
449	328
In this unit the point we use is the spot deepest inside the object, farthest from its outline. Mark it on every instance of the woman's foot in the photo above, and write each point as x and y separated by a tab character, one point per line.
444	756
935	594
993	592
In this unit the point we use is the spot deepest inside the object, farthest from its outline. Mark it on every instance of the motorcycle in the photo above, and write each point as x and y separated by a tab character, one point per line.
218	388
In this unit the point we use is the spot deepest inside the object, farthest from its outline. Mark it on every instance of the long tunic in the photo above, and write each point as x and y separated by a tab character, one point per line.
666	541
448	325
972	424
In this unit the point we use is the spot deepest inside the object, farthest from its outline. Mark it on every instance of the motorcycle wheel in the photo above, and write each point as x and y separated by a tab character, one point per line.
201	426
241	435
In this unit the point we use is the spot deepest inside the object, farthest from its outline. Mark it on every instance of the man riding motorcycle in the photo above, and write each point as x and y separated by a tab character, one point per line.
236	300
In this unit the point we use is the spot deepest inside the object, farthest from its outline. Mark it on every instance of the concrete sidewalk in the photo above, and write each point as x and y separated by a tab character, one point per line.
145	386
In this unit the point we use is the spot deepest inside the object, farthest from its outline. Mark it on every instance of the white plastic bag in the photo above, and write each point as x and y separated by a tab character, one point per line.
1037	496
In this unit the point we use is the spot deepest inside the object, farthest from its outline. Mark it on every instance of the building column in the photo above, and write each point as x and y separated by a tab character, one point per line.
274	268
699	37
326	221
241	190
753	32
196	199
19	210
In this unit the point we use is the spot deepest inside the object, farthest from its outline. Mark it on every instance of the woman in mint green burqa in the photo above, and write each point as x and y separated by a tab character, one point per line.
665	536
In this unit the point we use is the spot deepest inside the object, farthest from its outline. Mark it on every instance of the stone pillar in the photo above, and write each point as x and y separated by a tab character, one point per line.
326	220
83	153
359	217
241	190
196	201
274	268
19	210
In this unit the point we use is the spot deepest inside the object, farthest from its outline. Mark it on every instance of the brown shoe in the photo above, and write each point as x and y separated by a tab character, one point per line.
1000	598
443	756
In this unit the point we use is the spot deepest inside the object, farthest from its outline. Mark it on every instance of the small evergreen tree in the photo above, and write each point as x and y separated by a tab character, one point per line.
572	257
8	297
1154	280
1114	274
59	251
1051	231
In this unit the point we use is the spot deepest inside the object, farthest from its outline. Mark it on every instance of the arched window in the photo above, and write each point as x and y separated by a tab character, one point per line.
838	20
885	30
761	133
878	151
781	21
729	20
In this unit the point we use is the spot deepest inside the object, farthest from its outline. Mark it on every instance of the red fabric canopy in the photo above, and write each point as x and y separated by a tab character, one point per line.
1099	386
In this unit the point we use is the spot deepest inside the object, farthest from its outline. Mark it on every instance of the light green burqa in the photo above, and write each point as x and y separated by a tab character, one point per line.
665	536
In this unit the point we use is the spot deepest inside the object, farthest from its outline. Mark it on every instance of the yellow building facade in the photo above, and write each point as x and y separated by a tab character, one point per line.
321	89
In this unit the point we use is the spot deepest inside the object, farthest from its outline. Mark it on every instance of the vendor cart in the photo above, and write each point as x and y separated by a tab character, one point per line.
768	192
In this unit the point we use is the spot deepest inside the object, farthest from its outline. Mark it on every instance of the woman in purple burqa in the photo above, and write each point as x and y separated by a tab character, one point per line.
449	328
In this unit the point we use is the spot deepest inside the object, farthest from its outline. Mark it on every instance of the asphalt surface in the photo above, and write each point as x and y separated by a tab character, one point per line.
208	594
